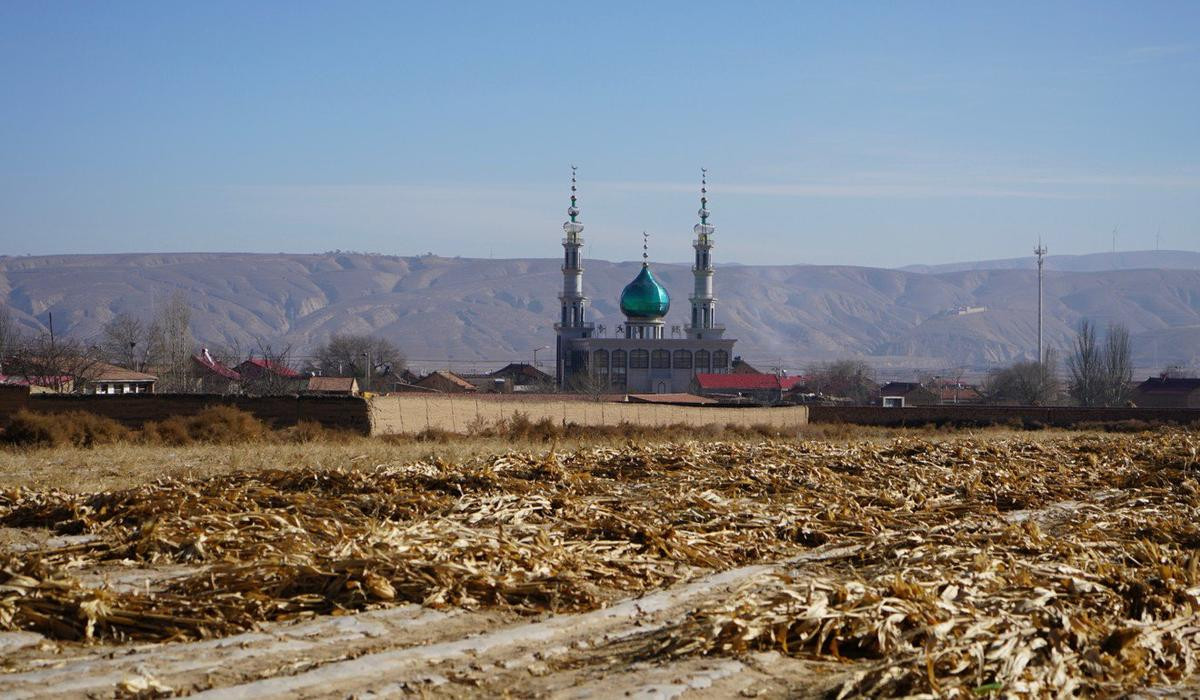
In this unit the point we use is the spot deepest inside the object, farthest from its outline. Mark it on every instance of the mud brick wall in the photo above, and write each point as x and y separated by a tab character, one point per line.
12	399
1054	416
340	412
413	413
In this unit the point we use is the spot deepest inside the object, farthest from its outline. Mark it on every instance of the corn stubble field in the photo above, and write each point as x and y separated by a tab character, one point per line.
953	565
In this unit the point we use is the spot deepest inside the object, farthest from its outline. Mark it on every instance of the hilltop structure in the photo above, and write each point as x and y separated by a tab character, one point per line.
640	358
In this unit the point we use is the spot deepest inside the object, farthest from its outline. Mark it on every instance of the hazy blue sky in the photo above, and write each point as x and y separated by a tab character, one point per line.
873	133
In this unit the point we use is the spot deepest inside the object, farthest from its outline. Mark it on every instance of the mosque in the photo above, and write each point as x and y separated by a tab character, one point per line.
640	358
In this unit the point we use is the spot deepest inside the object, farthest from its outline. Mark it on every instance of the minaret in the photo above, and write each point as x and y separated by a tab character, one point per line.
572	297
571	325
704	304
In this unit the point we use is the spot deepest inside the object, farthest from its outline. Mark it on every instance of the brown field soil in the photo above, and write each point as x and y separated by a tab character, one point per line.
953	564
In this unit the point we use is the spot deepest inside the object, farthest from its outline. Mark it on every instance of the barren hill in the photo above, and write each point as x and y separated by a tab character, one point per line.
470	310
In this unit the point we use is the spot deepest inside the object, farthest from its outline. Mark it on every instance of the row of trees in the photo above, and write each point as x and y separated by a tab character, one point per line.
1100	373
164	346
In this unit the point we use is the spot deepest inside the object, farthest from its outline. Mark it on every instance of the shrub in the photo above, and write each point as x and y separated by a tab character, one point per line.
77	428
221	425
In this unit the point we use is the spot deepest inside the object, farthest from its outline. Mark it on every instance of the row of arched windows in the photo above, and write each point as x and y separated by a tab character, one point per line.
701	360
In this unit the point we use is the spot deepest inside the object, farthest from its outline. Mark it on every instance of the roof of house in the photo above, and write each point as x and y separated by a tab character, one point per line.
271	366
746	382
1169	385
206	361
521	369
740	366
676	399
36	380
901	388
450	377
948	392
104	372
340	385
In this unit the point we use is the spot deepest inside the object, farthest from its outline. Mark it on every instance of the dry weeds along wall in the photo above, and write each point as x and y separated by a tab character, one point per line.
394	415
1051	416
340	412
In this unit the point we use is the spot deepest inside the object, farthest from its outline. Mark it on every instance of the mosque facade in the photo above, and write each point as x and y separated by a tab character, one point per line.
640	357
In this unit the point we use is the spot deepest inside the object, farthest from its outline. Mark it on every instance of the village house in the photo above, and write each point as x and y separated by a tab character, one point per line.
445	382
754	388
332	386
904	394
1168	392
103	378
209	376
524	377
261	375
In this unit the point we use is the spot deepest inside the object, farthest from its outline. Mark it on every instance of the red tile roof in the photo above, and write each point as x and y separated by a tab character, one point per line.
746	382
207	362
272	367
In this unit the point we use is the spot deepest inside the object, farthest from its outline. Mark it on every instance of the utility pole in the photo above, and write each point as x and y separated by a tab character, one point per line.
1040	252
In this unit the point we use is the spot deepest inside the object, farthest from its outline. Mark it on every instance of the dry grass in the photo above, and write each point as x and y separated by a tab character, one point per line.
1025	564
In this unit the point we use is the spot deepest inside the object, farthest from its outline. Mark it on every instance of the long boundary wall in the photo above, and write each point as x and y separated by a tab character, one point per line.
400	414
1032	416
133	410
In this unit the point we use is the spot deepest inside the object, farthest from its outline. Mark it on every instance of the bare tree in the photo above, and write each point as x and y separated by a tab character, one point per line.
1087	367
594	386
1118	366
123	342
60	364
851	379
1026	383
10	337
1100	376
171	345
268	372
350	355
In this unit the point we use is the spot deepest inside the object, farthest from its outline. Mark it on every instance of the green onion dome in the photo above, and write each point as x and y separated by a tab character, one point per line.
644	297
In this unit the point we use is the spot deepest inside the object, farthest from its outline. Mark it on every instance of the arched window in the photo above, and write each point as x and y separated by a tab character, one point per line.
600	359
639	359
682	359
702	361
660	359
618	358
720	359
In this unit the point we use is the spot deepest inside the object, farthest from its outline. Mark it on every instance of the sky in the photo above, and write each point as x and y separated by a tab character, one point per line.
871	133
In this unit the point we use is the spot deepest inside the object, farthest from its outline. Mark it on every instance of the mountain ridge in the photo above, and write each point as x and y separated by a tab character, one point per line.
474	310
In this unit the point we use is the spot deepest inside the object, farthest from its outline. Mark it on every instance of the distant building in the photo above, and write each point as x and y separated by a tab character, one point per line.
1167	392
952	393
106	379
524	377
208	376
332	386
740	366
642	357
261	375
902	394
445	382
756	388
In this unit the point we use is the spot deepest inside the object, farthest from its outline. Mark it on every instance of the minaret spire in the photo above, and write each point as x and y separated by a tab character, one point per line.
645	249
571	325
704	304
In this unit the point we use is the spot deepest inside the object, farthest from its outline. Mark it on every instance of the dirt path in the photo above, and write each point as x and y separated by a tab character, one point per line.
410	649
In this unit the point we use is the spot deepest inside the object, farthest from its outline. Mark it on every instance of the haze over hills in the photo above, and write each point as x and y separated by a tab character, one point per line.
468	311
1092	262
